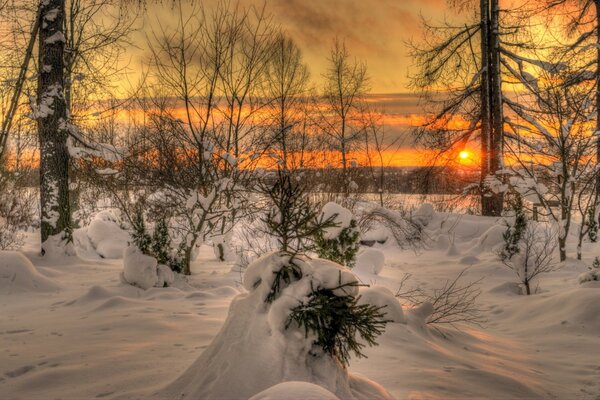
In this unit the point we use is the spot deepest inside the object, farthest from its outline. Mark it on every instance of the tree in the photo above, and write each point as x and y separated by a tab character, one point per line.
53	127
286	83
552	144
469	63
346	83
535	256
583	25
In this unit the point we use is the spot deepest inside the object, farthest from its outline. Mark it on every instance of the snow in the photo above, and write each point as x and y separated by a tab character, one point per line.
342	218
370	260
144	271
103	236
89	335
424	214
257	349
18	275
295	391
380	296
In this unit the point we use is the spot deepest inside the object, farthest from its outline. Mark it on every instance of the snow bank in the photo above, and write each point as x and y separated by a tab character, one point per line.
424	214
254	351
143	271
295	391
342	217
18	275
380	296
371	261
104	235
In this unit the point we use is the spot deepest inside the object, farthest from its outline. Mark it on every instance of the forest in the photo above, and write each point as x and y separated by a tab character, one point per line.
209	200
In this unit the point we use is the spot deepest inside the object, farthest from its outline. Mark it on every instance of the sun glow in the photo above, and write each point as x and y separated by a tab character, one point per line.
464	155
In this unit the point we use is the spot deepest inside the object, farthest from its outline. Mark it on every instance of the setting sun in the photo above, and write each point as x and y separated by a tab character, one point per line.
464	155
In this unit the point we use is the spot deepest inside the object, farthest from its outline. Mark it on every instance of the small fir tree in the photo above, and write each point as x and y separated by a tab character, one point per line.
294	222
513	234
161	242
141	238
592	224
341	249
337	321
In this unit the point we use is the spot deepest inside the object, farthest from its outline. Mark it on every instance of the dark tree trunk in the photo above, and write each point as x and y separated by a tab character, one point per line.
492	121
485	104
52	122
597	5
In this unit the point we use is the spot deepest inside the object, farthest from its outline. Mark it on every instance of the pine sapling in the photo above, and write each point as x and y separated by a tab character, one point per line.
592	224
513	234
161	242
341	249
338	321
141	238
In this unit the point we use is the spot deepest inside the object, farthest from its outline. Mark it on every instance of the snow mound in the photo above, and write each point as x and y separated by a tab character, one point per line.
424	214
143	271
510	288
105	235
18	275
371	261
491	239
342	217
565	310
380	296
254	349
295	391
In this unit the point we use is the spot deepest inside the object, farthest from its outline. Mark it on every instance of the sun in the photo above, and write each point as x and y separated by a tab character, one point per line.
464	155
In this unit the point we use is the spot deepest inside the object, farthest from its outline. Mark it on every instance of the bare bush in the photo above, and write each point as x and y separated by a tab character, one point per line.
535	256
406	232
453	303
16	212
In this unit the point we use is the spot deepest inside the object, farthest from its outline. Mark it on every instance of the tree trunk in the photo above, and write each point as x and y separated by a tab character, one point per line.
485	105
597	5
51	114
497	133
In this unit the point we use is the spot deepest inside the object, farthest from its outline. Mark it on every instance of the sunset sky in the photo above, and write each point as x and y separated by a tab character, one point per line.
375	31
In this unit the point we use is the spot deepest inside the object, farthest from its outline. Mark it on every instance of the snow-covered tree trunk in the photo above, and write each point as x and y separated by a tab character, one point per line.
51	115
496	153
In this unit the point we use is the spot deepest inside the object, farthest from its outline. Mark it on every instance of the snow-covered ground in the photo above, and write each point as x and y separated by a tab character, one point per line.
70	329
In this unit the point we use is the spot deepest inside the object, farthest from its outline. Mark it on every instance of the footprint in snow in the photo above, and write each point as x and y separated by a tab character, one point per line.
19	371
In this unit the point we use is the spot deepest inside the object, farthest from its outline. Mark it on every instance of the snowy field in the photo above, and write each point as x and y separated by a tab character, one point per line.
72	330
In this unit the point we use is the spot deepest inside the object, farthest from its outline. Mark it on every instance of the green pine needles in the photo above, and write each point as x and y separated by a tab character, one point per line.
592	224
157	245
513	234
341	249
141	239
337	321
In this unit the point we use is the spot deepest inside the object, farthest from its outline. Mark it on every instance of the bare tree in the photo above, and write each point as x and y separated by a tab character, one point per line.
377	144
286	83
551	142
346	83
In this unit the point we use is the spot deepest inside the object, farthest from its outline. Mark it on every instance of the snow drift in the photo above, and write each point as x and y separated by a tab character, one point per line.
103	236
254	351
18	275
144	271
